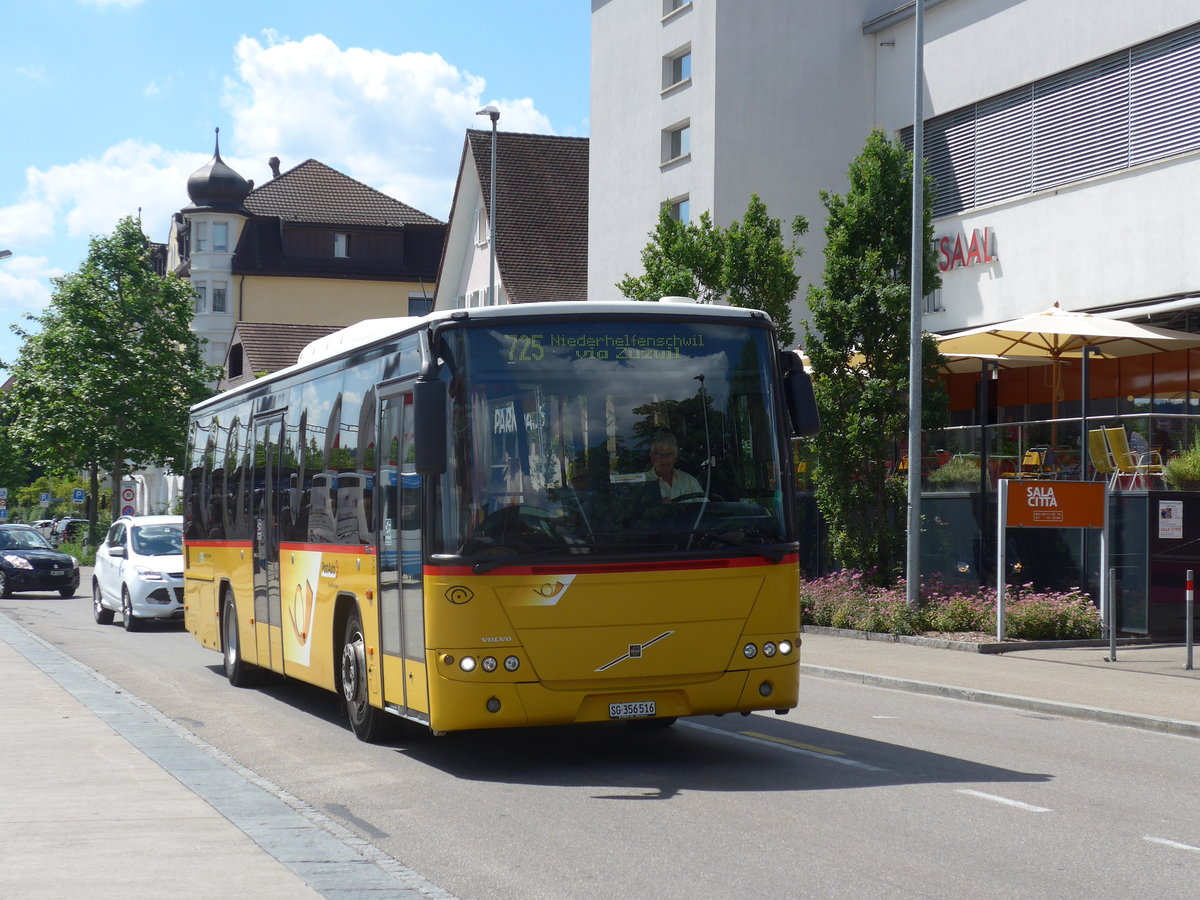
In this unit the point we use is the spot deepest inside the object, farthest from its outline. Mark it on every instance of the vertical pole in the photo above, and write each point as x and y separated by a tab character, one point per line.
492	220
1112	616
1187	626
916	298
1001	562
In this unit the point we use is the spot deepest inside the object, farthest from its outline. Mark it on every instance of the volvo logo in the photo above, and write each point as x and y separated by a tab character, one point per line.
635	651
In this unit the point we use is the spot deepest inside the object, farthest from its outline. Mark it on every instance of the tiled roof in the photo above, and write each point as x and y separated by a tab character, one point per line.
313	192
271	346
541	212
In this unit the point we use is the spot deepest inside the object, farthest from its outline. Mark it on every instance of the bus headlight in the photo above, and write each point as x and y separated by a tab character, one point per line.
750	651
467	664
488	664
511	664
785	647
769	649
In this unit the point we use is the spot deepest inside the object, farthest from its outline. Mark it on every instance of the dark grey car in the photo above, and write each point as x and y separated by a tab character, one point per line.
29	563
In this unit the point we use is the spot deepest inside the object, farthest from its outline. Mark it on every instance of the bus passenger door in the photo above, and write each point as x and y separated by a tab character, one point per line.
265	510
401	590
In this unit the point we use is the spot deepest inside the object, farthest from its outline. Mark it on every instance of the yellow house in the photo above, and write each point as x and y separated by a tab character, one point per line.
311	246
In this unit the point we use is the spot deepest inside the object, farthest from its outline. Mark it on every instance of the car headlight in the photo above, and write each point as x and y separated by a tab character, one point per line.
17	562
148	574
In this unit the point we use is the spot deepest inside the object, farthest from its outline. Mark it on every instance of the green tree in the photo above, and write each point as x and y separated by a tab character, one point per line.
106	382
858	344
746	264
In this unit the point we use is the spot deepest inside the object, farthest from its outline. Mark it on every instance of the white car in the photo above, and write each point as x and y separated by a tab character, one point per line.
139	571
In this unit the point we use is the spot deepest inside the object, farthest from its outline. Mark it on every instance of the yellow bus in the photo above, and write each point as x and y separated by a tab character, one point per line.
510	516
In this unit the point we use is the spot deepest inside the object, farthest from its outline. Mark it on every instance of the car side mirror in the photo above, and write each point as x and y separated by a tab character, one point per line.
117	551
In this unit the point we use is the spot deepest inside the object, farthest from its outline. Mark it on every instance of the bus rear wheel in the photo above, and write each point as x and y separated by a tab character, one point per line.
368	722
239	672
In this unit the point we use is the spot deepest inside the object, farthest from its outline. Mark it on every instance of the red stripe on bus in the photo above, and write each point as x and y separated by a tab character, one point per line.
226	544
605	568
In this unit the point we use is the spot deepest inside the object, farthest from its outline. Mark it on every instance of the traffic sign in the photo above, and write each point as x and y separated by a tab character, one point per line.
44	499
127	511
77	495
127	494
3	493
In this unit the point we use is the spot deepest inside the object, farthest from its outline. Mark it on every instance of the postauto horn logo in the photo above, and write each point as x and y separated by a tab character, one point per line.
459	594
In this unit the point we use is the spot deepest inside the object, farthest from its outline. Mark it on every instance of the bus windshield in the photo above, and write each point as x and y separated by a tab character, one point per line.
602	438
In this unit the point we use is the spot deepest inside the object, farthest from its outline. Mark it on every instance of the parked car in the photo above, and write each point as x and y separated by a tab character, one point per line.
44	526
139	571
29	563
67	530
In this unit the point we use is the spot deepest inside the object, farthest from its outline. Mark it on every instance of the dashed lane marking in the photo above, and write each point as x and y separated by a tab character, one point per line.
1169	843
789	746
1007	801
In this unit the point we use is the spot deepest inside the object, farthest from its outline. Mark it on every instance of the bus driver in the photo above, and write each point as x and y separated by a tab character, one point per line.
672	483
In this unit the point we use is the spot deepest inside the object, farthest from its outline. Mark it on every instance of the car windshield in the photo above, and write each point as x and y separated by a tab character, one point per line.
158	540
23	539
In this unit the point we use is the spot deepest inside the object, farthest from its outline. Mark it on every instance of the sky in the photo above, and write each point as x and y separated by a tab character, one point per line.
109	105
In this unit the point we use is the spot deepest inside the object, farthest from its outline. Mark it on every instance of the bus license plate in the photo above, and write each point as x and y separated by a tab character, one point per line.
636	710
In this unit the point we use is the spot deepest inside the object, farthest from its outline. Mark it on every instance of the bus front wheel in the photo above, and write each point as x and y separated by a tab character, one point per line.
239	672
368	722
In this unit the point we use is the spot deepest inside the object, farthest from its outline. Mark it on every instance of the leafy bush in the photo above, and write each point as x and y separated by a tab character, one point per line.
848	600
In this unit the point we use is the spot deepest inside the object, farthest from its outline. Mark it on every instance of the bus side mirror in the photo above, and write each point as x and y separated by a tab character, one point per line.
799	397
429	427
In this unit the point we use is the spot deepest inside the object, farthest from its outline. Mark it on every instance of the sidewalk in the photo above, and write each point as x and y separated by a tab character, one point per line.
100	796
1146	687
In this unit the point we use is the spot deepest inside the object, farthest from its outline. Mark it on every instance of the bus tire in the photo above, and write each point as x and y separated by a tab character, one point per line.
239	672
369	723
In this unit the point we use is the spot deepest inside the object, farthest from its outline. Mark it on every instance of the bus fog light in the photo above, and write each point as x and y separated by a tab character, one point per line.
488	664
493	705
769	648
750	651
765	689
467	664
785	647
511	664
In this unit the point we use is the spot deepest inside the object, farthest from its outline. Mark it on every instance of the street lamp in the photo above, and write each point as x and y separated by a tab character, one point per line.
494	114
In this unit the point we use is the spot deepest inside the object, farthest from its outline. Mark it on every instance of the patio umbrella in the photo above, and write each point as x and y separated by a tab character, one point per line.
1057	334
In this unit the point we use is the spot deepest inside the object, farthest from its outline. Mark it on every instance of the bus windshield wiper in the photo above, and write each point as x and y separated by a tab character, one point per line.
487	563
772	552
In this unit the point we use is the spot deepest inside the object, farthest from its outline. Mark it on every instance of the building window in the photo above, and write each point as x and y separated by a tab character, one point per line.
201	297
677	68
481	227
218	297
341	246
677	142
670	6
236	361
200	232
220	237
679	209
419	304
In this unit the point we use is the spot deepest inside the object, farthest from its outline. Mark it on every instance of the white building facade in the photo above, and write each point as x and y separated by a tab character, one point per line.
1064	134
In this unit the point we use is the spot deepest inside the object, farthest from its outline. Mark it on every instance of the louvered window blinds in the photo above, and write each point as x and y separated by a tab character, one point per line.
1129	108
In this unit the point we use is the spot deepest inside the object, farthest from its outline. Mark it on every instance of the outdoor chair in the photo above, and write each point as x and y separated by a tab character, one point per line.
1102	460
1038	462
1127	464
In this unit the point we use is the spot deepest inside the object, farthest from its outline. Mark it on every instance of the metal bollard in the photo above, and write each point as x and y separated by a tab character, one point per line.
1112	617
1187	623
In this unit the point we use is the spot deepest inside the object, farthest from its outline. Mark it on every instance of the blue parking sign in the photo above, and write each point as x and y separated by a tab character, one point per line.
77	495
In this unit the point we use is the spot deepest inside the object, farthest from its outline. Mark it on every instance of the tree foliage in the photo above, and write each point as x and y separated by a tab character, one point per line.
858	345
106	382
746	264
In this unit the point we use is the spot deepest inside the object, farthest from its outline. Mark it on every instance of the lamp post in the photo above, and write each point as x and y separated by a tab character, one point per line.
1085	394
494	114
912	569
989	373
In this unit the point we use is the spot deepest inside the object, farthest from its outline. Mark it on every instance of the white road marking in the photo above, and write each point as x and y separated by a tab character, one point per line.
1028	807
783	744
1173	844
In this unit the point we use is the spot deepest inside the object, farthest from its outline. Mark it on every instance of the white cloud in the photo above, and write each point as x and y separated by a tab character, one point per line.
90	195
24	284
33	73
393	121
